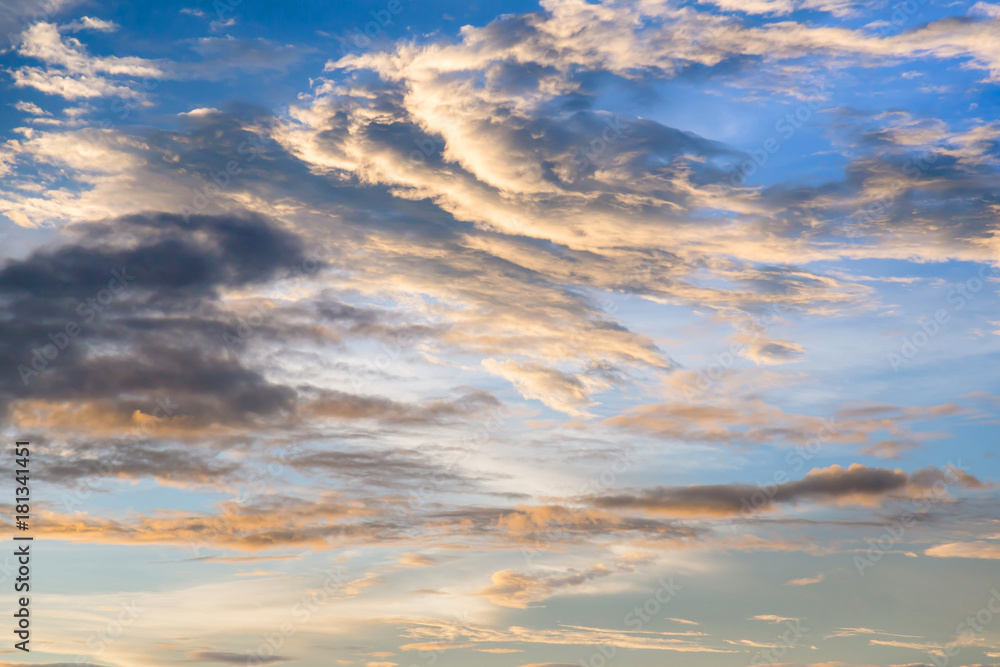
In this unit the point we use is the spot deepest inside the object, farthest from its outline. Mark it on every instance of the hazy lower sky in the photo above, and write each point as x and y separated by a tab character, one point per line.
436	334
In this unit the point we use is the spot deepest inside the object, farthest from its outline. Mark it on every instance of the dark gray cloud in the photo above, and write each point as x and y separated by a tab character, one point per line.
229	658
339	404
825	485
158	337
395	468
129	308
132	460
168	255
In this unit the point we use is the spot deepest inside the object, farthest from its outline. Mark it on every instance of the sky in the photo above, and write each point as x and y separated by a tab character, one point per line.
559	334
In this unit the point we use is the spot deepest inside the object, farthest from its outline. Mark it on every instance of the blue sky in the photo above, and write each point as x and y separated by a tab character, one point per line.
508	334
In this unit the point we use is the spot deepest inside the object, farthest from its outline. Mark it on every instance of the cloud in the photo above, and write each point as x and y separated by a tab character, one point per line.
476	218
985	9
975	549
856	484
70	71
540	524
73	73
81	86
417	560
520	591
772	351
90	23
707	410
150	272
341	405
229	658
268	523
383	468
805	581
853	632
131	460
563	636
435	646
33	109
16	15
661	36
565	392
784	7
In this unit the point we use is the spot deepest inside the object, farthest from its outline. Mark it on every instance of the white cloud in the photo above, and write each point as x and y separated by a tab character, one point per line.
33	109
985	9
566	392
70	72
42	41
89	23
